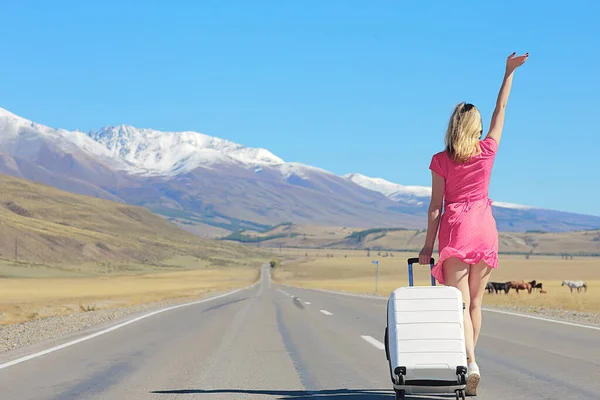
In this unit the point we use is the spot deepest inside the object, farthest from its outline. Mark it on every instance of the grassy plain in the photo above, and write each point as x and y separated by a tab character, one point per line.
23	299
352	271
63	253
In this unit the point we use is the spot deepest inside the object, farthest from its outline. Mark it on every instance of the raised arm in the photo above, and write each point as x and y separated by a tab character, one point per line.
497	123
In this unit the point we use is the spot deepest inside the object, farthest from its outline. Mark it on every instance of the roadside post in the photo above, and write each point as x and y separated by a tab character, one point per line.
376	262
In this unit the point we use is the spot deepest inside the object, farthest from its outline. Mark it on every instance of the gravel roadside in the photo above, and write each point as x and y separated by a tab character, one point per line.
563	315
19	335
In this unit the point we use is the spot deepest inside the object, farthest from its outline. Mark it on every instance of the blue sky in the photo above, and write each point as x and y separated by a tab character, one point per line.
348	86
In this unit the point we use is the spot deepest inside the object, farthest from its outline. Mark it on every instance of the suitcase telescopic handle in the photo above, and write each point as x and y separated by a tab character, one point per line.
415	260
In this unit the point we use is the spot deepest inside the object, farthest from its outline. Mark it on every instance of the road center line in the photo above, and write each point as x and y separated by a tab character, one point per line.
326	312
374	342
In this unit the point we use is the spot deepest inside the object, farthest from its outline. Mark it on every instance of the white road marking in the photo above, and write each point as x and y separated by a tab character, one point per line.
366	296
307	303
597	328
286	293
131	321
326	312
374	342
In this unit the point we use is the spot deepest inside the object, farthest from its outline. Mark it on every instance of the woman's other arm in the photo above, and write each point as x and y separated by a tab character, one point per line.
434	215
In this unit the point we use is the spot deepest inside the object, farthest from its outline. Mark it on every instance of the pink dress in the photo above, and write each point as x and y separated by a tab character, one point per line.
467	228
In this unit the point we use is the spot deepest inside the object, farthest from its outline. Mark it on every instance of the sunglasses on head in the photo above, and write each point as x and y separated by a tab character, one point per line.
467	107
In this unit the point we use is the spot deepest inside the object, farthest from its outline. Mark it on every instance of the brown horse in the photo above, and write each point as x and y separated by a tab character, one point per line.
521	285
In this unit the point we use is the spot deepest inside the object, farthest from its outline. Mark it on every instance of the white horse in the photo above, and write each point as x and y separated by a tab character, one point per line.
575	285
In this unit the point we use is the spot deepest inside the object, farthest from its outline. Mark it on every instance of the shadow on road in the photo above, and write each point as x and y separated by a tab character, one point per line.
215	307
351	394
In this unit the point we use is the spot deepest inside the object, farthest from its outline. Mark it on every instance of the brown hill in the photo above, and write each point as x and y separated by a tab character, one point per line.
44	225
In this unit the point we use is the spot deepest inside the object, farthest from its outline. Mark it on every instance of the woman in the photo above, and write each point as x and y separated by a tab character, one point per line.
468	238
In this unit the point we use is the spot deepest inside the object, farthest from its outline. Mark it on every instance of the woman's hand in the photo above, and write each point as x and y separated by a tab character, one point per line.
425	255
513	61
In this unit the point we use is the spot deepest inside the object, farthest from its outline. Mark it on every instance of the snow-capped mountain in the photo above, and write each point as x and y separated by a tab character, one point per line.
151	152
23	138
148	152
197	178
143	152
418	195
509	216
388	188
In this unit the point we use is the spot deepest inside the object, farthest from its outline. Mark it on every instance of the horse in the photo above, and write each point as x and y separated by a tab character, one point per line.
499	286
520	285
535	284
575	285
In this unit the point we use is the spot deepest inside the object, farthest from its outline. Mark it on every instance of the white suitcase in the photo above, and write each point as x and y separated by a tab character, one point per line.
424	339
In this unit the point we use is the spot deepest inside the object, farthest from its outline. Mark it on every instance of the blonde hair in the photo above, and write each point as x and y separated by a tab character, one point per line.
463	133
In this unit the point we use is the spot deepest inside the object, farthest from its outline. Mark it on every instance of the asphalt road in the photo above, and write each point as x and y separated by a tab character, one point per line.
276	342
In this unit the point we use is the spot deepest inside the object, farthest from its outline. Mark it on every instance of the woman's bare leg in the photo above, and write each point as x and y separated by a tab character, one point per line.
479	276
456	273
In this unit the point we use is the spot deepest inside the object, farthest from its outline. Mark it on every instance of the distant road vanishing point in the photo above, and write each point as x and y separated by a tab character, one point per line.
276	342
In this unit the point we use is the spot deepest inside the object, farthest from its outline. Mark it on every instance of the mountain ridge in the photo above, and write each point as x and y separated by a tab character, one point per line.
191	177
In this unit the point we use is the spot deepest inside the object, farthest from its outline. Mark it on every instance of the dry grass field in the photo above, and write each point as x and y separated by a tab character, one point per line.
23	299
352	271
62	253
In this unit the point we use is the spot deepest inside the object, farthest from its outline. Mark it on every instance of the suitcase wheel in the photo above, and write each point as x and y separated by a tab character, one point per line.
400	394
461	374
